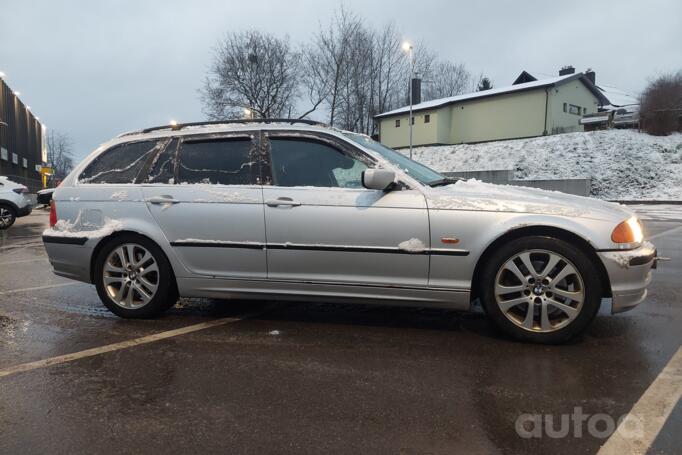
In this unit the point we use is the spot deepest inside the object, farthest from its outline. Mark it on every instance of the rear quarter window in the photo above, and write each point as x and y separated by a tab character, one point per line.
121	163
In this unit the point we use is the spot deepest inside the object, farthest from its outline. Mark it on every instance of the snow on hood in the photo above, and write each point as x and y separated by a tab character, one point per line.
475	195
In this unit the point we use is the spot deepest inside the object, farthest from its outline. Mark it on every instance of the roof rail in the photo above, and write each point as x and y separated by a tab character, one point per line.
179	126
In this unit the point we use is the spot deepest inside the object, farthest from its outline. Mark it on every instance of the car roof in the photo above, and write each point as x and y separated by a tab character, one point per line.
226	126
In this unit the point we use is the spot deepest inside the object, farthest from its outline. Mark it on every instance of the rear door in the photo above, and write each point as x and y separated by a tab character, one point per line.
324	226
206	196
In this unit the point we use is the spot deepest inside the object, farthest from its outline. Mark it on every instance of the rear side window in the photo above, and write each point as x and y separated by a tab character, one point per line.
224	162
120	164
162	168
310	163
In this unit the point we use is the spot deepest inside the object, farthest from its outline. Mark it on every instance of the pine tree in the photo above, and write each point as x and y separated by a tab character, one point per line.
484	84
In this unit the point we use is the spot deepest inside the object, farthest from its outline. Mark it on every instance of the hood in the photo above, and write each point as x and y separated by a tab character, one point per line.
478	196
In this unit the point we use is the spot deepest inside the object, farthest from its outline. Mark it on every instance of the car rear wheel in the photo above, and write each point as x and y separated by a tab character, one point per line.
133	277
7	216
541	289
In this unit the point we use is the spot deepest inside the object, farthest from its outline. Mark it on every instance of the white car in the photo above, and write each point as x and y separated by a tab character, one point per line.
13	202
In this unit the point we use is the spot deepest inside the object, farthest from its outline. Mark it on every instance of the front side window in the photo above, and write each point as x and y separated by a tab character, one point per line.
217	161
121	164
417	171
397	123
301	162
427	118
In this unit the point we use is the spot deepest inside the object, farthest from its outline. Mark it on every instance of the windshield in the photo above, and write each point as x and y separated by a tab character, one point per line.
417	171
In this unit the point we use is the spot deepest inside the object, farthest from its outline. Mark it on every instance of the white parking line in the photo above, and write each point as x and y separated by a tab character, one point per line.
651	411
116	346
669	231
38	288
23	261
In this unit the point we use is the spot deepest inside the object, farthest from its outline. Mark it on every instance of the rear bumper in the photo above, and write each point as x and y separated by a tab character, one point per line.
630	274
69	259
24	211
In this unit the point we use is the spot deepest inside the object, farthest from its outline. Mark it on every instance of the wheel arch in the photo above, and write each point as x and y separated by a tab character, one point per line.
103	241
10	204
543	231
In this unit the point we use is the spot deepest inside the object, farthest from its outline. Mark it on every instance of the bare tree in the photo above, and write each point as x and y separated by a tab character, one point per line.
331	51
251	70
59	154
446	79
661	105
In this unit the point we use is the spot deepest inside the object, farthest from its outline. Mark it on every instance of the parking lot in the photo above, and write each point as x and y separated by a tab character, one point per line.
258	376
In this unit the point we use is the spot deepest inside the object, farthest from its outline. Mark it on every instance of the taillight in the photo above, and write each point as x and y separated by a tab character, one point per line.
53	213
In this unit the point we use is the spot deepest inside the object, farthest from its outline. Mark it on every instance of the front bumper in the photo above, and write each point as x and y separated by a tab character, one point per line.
630	274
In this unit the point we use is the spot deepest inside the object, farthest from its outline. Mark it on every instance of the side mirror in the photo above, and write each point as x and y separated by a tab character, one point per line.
378	179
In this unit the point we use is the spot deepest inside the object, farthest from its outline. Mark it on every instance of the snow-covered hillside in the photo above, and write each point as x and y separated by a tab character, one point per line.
623	164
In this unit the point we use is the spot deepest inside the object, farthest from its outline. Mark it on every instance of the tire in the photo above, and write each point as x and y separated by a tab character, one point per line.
507	299
7	216
148	280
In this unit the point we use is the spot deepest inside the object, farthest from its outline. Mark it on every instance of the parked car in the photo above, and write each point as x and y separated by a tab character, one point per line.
44	197
626	117
13	202
299	210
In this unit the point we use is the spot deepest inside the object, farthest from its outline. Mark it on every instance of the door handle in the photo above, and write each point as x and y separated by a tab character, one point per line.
162	200
282	201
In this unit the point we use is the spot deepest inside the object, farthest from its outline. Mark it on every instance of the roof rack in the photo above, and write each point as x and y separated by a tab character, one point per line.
179	126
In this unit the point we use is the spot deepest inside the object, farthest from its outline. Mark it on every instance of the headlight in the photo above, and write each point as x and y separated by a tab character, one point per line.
629	231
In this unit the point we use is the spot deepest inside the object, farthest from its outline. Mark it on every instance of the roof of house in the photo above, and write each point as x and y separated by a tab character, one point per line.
616	98
534	85
524	77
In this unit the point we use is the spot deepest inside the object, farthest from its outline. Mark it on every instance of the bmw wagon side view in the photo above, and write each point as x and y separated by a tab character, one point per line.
284	209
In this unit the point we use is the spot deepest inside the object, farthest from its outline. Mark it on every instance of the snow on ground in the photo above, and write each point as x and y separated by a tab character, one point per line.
623	164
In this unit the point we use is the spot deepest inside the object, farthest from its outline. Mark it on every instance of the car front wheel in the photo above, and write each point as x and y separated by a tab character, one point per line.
133	277
7	216
541	289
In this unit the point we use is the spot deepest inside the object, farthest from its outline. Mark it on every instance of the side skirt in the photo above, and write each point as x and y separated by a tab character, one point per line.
218	288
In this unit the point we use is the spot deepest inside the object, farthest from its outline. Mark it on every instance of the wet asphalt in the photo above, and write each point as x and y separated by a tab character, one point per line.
311	378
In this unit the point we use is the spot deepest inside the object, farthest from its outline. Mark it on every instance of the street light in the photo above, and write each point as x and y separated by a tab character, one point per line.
407	47
248	113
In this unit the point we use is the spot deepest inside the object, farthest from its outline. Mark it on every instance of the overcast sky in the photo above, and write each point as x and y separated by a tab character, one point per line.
93	69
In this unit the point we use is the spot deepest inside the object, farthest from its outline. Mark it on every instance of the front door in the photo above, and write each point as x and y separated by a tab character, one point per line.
323	226
206	197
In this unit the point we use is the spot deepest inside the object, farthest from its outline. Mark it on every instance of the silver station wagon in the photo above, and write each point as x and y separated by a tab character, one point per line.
285	209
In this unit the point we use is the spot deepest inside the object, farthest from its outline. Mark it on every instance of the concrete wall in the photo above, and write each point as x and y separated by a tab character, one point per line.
575	93
580	187
502	176
500	117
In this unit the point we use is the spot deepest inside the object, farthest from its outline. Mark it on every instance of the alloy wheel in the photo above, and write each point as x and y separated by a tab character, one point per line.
6	218
131	276
539	290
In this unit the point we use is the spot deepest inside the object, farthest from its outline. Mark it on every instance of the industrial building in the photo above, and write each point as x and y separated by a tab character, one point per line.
23	151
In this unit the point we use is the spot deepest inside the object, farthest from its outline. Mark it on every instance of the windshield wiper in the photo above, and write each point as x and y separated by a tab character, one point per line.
444	181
